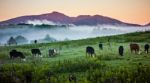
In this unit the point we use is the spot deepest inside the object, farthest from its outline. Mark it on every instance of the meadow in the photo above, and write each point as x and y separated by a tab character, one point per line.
106	67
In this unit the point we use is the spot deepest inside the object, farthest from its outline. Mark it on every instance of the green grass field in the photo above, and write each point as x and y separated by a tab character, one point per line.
106	67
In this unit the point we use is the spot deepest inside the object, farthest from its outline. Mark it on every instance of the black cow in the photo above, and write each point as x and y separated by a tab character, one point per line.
15	54
53	52
90	51
101	46
35	52
121	50
35	41
146	48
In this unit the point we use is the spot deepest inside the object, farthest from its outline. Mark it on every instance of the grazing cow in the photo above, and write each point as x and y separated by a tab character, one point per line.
101	46
90	51
53	52
35	52
121	50
146	48
135	47
15	54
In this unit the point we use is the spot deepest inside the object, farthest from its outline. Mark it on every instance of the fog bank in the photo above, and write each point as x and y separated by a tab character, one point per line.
62	33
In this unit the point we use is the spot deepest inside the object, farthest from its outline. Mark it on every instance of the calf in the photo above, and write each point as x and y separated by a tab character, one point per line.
101	46
14	54
121	50
35	52
53	52
146	48
90	51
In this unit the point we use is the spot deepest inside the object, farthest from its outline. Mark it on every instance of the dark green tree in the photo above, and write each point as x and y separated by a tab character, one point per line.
11	41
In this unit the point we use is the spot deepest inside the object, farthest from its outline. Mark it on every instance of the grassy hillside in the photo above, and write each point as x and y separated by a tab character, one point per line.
106	67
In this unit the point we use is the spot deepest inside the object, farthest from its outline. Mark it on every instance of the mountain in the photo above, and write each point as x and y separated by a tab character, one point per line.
57	17
147	24
94	20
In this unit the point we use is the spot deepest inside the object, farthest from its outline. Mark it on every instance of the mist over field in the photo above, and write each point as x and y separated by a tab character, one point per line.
61	33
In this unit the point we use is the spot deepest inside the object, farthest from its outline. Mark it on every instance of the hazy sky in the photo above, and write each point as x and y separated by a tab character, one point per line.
132	11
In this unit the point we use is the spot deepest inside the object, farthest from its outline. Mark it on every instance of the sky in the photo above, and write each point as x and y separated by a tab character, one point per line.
131	11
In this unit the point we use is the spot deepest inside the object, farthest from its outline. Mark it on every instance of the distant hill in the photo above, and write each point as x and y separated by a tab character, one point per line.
57	17
147	24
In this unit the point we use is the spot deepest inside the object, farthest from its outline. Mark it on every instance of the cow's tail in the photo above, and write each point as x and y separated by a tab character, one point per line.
11	57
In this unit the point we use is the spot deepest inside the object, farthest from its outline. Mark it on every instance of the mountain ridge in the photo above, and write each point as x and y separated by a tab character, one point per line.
64	19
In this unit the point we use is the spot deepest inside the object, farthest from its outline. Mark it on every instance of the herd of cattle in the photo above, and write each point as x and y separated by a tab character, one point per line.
35	52
89	51
133	47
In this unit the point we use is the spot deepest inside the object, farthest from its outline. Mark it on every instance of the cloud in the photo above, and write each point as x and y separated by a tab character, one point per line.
41	22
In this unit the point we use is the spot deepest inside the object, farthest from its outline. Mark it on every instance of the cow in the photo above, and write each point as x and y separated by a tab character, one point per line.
101	46
35	41
53	52
121	50
135	47
146	48
90	51
15	54
35	52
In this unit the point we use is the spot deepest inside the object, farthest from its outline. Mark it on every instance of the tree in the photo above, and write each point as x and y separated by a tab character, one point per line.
48	38
20	39
11	41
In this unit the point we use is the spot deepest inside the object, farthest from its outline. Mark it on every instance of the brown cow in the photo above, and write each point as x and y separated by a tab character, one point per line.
135	47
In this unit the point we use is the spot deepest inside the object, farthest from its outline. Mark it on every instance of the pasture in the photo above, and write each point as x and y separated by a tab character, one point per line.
106	67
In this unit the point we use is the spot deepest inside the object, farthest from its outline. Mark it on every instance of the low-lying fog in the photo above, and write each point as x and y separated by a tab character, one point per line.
63	33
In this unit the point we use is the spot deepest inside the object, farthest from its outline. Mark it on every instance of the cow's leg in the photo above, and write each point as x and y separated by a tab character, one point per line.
11	57
120	53
92	55
147	51
41	55
135	51
33	55
36	55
